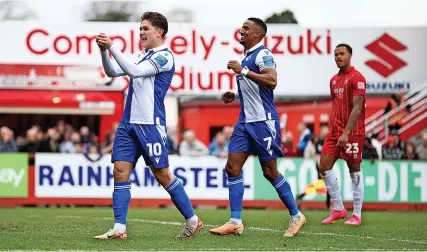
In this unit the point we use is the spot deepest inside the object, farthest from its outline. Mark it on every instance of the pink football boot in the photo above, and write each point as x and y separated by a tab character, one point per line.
334	216
354	220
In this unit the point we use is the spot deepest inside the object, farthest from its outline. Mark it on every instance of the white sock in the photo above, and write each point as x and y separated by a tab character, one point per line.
296	216
333	187
358	193
192	221
119	227
236	221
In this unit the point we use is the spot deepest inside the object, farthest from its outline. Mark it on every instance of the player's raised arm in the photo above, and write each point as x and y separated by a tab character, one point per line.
111	69
267	78
267	66
160	62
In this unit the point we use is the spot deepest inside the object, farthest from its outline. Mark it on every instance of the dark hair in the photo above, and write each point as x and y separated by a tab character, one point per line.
260	23
156	19
349	49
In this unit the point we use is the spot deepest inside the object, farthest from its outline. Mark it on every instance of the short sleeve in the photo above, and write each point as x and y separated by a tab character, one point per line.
265	59
330	86
162	61
358	85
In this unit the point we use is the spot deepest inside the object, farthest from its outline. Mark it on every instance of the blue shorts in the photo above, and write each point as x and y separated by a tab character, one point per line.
133	140
257	138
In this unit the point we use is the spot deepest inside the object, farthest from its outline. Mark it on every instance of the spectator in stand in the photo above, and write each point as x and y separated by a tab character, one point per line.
422	148
391	150
171	138
85	134
7	143
107	146
369	151
219	146
92	148
324	131
377	145
71	144
305	135
287	144
32	143
192	147
410	153
417	140
60	128
66	146
395	121
310	149
51	143
228	131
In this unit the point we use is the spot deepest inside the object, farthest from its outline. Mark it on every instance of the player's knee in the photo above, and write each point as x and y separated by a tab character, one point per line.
232	169
120	174
270	173
163	175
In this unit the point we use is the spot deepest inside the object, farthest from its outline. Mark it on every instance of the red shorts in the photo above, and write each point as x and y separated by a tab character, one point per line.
351	153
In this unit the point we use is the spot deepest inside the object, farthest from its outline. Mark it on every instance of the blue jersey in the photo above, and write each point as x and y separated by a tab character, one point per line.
256	102
142	130
145	100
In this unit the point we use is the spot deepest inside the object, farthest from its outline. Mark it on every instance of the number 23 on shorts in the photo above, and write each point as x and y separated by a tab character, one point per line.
352	148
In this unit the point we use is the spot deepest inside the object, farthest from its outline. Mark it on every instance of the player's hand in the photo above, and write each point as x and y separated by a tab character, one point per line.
228	97
235	66
104	42
343	140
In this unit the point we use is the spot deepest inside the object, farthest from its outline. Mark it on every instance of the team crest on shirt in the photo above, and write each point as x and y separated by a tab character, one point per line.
160	60
361	85
268	61
334	82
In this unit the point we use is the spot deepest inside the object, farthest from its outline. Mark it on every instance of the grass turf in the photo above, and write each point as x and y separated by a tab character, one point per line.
155	229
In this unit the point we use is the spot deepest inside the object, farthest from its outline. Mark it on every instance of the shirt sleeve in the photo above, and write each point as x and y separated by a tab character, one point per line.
330	87
111	68
358	85
162	61
159	62
265	59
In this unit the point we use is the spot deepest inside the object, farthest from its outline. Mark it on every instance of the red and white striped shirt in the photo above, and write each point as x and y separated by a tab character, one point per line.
343	87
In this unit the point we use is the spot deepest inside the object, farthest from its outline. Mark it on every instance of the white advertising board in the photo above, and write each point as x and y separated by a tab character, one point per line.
74	176
390	58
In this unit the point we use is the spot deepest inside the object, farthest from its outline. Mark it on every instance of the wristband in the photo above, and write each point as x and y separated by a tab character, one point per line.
244	71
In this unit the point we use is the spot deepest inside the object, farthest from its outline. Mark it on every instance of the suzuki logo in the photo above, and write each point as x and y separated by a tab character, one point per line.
383	48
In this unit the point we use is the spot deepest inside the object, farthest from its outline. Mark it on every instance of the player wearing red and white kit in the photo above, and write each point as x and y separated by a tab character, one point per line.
347	135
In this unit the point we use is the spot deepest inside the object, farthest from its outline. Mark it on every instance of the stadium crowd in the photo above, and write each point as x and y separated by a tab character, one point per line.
63	138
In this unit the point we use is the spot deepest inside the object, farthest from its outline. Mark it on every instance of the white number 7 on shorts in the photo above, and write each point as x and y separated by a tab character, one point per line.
268	143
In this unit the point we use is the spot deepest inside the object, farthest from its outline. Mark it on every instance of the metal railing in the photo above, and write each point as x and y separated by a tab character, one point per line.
378	123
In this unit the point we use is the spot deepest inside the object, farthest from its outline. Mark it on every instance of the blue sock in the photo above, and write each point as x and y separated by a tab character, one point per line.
121	199
285	193
180	198
235	195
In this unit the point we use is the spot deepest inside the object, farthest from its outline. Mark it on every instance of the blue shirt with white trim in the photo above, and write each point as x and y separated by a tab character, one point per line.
145	100
256	101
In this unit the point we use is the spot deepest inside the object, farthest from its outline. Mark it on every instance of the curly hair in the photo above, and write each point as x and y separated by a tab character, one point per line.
156	19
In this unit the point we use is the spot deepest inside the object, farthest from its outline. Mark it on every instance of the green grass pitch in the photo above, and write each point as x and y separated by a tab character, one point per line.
155	229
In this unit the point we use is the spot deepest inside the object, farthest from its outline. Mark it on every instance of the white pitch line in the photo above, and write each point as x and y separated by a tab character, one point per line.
261	229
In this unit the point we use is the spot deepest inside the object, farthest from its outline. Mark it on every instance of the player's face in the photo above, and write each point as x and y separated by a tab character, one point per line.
342	57
149	34
247	33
